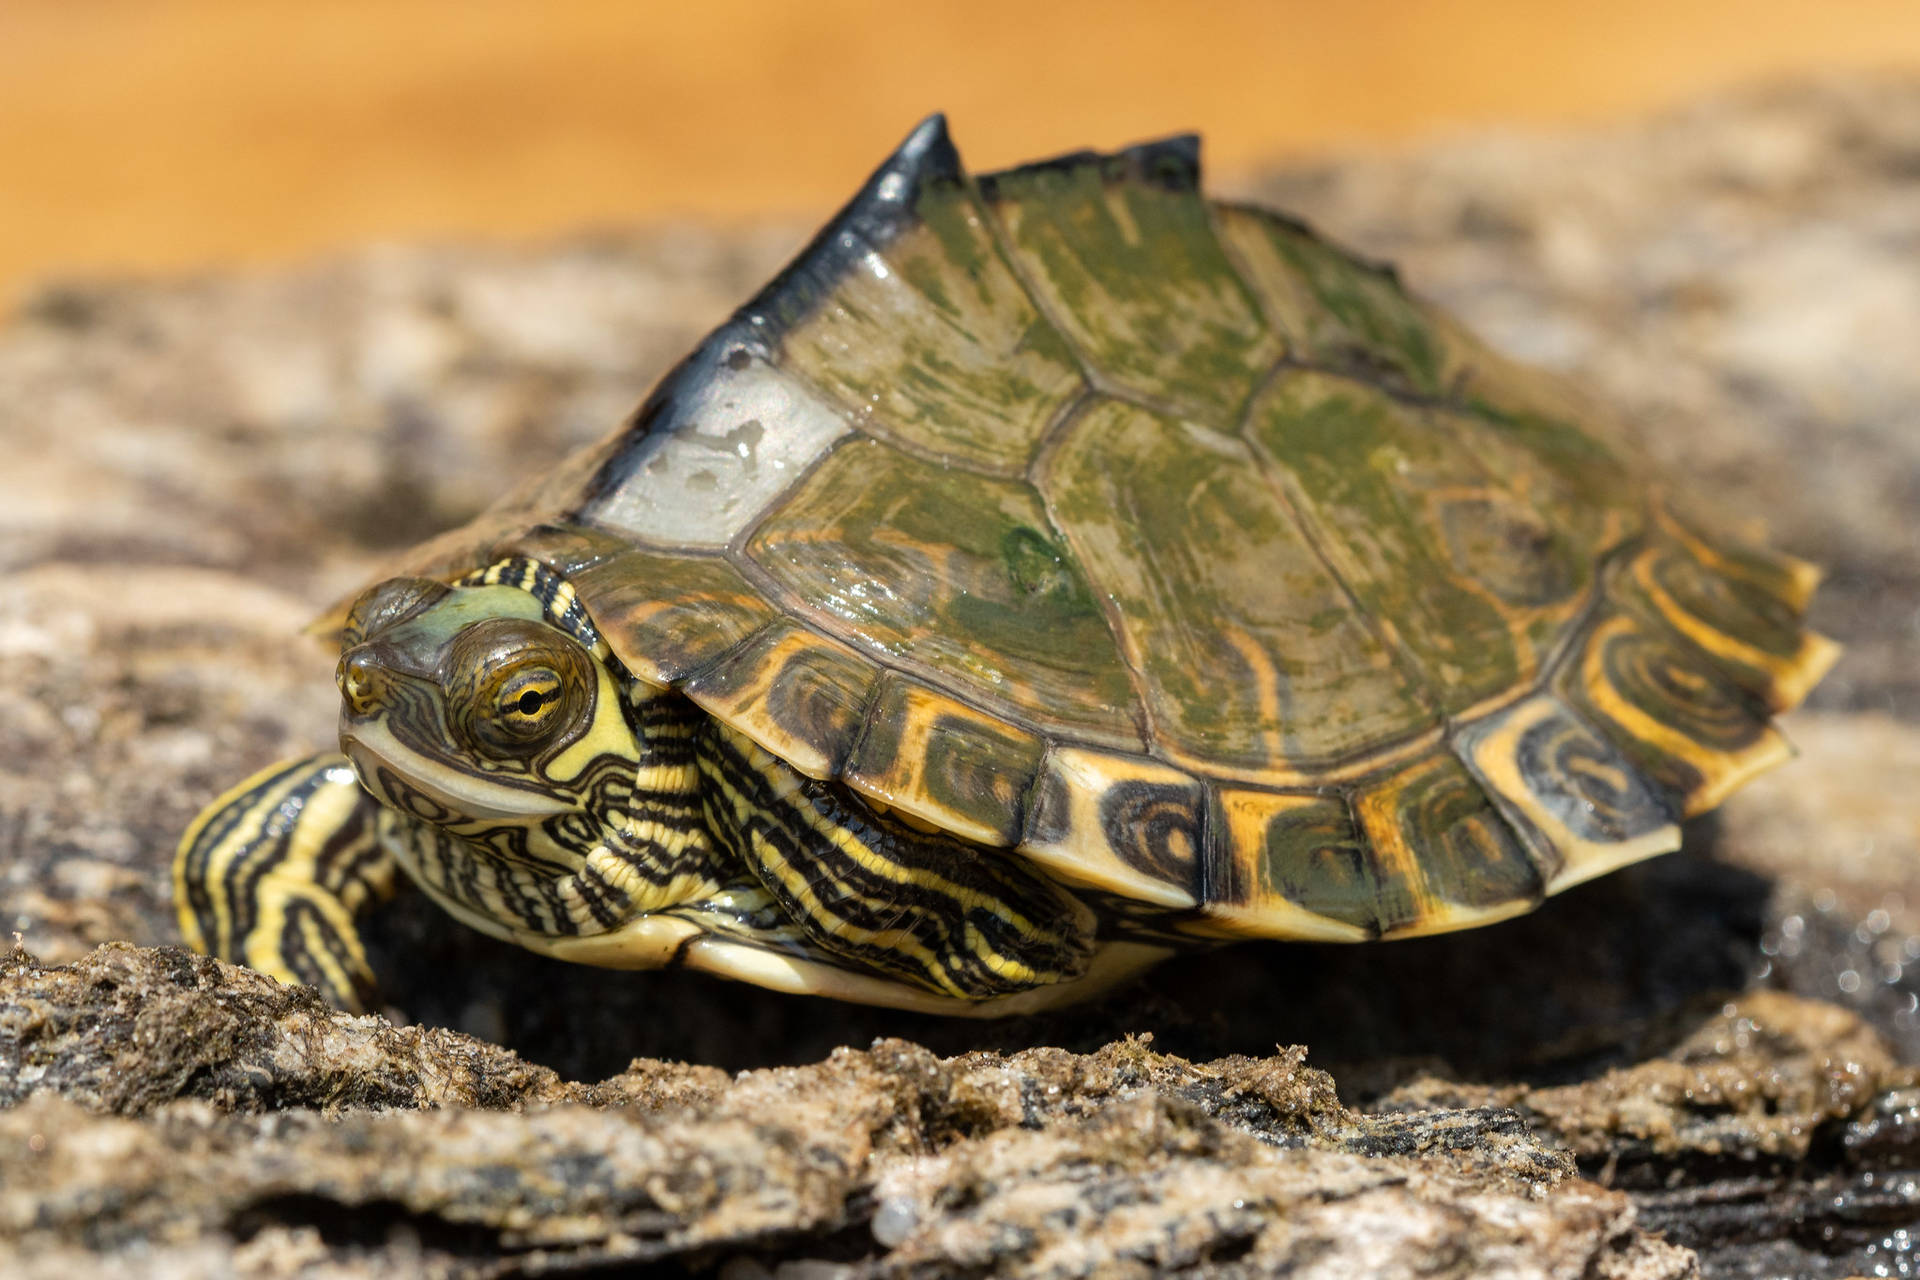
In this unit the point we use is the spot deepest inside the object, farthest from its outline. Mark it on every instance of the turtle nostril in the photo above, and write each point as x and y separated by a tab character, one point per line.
359	677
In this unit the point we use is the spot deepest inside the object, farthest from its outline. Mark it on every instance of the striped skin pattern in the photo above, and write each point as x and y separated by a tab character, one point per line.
631	803
574	831
1156	540
923	907
273	873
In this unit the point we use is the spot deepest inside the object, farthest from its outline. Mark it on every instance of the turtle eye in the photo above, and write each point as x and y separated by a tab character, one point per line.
524	706
515	686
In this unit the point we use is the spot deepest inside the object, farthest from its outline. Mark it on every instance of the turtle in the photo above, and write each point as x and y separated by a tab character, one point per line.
1048	571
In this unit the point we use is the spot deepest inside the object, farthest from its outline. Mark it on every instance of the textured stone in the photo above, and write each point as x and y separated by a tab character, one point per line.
174	1104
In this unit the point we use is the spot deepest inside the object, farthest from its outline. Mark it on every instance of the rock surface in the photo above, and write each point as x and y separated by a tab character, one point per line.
175	1104
1700	1065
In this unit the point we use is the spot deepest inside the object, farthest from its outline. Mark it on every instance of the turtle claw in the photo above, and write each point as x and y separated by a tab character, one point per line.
273	874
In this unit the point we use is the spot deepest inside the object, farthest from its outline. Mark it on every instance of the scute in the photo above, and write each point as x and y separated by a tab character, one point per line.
1444	855
1121	251
798	694
1253	659
1179	550
1382	487
1756	638
669	617
1296	860
953	573
1334	310
725	442
1121	824
931	340
945	762
1688	728
1570	794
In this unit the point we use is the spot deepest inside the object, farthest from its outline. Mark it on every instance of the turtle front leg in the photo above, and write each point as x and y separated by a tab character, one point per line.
920	907
273	874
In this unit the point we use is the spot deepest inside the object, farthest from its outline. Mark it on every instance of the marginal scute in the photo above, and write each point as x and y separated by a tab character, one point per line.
1682	721
1755	637
1292	865
1121	251
1580	804
941	761
1774	577
1334	309
958	574
1376	480
1254	660
1440	841
667	616
796	693
1122	824
568	549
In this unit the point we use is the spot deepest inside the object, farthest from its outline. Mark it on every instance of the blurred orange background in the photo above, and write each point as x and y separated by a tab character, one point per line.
154	135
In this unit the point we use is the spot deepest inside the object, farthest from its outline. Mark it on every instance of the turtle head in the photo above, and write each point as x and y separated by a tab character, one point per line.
466	708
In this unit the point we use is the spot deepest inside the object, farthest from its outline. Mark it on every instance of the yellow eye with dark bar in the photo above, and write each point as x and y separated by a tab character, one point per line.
529	702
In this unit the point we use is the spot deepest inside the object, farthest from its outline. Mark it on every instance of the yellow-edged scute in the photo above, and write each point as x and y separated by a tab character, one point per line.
795	692
1180	551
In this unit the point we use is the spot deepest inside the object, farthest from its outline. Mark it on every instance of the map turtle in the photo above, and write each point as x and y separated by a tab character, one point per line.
1048	571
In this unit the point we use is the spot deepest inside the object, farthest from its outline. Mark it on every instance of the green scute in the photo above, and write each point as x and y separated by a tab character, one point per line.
1559	473
1312	856
1468	854
1132	272
932	341
1344	313
1375	479
1575	477
1253	655
971	768
1759	575
816	693
1757	620
957	574
1703	716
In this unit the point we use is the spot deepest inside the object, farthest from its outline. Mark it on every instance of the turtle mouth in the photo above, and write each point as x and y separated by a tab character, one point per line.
441	792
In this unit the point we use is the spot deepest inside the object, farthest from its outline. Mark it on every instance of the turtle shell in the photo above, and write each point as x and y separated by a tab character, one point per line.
1177	549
